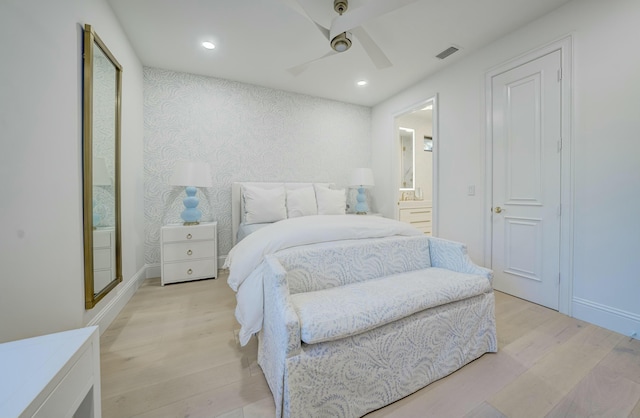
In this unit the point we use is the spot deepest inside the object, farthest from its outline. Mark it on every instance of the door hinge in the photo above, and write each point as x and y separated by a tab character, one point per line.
560	210
558	278
559	74
560	144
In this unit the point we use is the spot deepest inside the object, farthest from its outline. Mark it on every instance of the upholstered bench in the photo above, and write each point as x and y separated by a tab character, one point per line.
344	335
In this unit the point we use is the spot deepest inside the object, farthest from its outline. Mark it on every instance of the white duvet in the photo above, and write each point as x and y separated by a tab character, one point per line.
245	259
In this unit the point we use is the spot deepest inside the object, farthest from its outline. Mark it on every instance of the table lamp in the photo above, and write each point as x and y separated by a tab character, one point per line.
191	174
362	178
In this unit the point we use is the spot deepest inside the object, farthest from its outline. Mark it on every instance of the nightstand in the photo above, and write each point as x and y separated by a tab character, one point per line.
188	252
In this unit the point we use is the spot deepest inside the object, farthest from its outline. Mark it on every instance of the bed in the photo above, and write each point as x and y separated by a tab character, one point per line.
352	312
272	216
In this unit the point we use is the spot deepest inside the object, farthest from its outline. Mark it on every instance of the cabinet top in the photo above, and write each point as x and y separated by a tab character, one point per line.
29	365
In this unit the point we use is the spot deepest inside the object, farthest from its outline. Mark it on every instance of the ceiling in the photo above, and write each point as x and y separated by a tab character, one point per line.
258	40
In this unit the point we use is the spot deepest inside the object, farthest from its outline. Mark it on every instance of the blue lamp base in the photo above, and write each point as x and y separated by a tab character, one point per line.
361	207
191	214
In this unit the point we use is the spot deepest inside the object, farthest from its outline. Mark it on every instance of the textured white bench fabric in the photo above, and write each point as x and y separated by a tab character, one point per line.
340	339
339	312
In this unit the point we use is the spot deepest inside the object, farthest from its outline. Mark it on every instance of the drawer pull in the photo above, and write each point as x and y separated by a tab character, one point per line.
189	252
421	211
189	272
189	236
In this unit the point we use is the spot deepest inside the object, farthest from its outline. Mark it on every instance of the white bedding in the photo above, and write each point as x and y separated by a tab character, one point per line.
245	259
246	230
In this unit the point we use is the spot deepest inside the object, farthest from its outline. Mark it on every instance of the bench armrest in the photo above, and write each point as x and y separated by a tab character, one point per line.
453	256
281	325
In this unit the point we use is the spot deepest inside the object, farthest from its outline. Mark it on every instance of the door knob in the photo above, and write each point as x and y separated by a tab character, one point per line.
498	209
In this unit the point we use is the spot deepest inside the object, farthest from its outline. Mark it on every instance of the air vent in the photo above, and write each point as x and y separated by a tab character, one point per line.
444	54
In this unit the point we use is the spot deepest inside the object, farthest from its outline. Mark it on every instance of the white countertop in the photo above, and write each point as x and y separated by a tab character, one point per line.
28	366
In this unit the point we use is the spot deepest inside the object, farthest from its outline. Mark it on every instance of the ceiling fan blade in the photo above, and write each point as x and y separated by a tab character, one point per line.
299	69
356	17
372	49
302	7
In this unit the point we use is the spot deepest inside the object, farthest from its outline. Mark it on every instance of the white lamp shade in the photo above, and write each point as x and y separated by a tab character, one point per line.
100	172
191	173
362	177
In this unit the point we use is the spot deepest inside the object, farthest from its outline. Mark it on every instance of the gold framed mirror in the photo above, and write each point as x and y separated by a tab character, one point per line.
102	93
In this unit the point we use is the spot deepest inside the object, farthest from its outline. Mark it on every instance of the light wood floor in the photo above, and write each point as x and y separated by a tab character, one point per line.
173	352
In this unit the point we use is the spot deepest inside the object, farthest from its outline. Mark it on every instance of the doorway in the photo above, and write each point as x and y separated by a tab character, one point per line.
528	181
415	139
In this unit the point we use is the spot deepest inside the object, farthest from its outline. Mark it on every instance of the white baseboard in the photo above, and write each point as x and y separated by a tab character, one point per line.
109	312
617	320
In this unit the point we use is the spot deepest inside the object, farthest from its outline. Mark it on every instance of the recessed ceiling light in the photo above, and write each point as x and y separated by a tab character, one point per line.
208	45
362	83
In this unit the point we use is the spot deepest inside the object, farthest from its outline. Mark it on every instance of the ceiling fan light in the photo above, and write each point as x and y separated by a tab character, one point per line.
341	42
340	6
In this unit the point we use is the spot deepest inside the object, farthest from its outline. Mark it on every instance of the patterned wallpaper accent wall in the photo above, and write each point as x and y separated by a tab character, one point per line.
245	133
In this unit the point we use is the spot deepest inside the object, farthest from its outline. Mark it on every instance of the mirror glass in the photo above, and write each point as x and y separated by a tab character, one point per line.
414	132
101	165
407	158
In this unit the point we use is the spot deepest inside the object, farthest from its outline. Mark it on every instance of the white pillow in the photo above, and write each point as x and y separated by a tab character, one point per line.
301	202
330	202
263	205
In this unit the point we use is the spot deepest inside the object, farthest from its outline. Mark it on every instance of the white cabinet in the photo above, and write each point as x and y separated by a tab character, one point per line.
55	375
417	213
189	252
104	257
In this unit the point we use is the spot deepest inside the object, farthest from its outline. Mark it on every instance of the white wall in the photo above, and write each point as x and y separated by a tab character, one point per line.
41	245
606	150
245	133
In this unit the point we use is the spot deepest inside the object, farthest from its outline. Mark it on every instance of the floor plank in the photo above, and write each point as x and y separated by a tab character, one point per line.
541	387
533	345
442	398
601	393
173	351
485	411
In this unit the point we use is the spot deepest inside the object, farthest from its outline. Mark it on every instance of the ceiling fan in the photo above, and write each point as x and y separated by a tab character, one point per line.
347	25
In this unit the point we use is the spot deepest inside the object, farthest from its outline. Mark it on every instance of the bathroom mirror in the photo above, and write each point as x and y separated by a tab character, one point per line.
407	158
102	89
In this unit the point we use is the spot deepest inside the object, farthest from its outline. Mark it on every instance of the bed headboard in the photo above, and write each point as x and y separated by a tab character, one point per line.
237	204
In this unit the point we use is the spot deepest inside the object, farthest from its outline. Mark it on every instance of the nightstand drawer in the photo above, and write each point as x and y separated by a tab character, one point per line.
102	238
102	259
201	232
189	270
189	250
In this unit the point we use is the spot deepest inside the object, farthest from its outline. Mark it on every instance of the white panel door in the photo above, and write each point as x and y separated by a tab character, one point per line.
526	109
